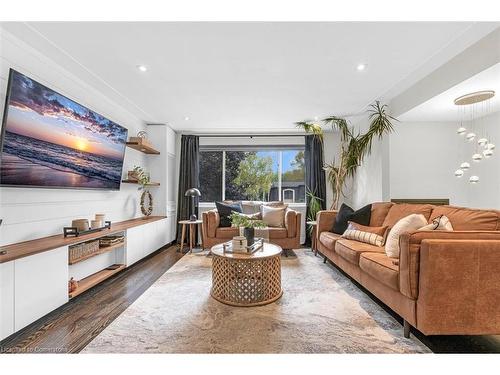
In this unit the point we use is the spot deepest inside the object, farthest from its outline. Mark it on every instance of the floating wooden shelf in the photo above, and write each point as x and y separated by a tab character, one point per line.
102	250
93	280
137	183
142	146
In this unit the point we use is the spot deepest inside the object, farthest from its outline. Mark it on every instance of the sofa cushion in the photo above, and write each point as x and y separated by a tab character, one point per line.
350	250
225	210
401	210
467	218
276	233
380	267
227	232
379	212
230	232
328	239
346	214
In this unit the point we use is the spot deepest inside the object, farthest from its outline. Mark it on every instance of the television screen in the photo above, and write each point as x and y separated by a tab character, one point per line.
49	140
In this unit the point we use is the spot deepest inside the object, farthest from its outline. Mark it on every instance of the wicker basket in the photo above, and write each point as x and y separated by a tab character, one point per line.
82	250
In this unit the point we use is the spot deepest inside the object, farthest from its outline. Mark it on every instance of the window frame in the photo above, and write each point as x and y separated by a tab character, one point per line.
242	148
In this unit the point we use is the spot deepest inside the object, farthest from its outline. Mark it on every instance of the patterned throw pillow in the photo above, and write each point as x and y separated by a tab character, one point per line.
362	233
438	223
381	231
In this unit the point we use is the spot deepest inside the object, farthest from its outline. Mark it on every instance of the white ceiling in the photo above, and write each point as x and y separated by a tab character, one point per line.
442	108
249	77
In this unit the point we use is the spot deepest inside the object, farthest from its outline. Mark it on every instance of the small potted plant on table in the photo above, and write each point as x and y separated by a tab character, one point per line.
248	224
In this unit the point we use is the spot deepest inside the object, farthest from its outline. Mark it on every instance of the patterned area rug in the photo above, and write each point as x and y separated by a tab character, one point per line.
321	311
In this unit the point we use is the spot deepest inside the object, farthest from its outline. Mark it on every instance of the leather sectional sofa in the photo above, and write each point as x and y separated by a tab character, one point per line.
287	238
444	283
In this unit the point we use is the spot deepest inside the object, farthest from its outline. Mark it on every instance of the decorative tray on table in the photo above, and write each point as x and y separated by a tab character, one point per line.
227	247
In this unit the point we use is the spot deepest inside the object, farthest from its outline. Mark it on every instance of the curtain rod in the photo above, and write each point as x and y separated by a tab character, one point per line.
247	135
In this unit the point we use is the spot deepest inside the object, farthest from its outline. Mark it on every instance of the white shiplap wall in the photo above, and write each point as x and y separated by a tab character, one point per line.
30	213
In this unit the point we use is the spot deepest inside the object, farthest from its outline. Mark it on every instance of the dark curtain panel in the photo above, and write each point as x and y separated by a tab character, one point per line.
189	176
315	174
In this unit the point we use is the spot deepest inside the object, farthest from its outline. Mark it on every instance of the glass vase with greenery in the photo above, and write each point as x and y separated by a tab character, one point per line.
248	224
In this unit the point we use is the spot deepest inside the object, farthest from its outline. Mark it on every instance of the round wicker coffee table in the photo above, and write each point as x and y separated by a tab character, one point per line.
247	279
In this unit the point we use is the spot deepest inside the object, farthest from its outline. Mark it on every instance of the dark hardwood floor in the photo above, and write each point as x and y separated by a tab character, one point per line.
72	326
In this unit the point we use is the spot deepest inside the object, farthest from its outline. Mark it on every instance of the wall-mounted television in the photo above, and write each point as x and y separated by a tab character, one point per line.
50	141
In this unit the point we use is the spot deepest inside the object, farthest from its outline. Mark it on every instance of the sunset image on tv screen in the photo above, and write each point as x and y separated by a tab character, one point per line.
52	141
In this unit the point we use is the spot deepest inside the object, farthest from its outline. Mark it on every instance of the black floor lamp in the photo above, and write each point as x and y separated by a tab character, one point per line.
193	193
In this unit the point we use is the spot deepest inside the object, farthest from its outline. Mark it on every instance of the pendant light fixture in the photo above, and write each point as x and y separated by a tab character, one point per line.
474	179
471	107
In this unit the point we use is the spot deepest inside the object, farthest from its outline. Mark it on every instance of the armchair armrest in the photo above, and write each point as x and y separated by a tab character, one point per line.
459	286
292	223
409	255
211	221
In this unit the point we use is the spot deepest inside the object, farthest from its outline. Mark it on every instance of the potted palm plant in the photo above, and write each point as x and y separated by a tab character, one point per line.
248	224
354	146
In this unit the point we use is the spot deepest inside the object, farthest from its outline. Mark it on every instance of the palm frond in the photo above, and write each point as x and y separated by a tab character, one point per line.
340	124
311	128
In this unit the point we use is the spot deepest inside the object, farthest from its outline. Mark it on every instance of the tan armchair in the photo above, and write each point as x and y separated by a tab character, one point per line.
287	238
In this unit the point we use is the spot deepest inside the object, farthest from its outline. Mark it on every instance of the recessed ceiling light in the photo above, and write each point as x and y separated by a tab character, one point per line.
142	68
186	118
361	67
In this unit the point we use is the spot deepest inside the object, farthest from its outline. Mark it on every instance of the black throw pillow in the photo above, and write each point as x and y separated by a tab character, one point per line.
346	213
225	210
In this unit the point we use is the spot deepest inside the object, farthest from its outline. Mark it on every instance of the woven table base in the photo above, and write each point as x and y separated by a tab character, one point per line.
246	282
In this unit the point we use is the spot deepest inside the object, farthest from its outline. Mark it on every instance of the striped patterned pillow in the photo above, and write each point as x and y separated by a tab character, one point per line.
366	237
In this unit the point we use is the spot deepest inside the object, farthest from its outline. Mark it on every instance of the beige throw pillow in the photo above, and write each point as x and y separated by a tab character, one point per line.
273	217
408	223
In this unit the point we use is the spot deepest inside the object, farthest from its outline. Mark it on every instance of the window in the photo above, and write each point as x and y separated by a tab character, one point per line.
293	188
211	176
254	174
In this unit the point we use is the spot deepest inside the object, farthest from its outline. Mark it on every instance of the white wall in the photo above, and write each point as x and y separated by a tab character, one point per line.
31	213
371	182
424	156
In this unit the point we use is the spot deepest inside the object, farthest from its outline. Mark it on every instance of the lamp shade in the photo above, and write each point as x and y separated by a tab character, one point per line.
193	192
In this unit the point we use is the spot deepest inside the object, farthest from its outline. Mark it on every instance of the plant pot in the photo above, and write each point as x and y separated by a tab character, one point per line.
132	176
249	234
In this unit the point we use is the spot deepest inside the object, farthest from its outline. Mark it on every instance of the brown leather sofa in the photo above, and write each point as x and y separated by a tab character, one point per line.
287	238
445	283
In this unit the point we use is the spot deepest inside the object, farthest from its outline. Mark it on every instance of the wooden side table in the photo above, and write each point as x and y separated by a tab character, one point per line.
192	227
314	239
